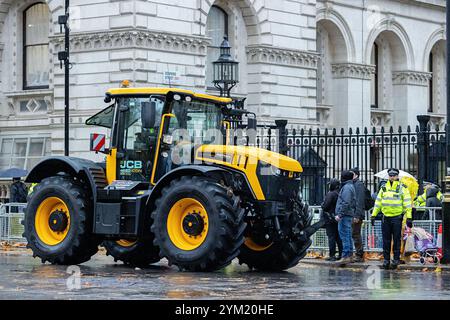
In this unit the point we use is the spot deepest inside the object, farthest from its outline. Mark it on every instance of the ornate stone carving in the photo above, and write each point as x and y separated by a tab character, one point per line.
380	118
80	42
353	70
26	103
273	55
415	78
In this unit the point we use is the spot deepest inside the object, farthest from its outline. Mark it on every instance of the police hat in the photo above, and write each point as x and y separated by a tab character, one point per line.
393	172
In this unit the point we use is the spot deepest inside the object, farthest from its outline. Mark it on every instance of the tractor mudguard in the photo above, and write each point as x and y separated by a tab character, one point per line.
90	171
191	170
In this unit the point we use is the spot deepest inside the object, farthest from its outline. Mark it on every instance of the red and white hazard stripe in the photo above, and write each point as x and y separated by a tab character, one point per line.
98	142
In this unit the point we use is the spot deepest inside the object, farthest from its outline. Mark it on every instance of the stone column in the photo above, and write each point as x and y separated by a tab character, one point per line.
410	96
351	94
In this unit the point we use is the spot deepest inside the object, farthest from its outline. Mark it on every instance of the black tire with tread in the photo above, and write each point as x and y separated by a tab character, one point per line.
226	224
141	254
80	244
279	257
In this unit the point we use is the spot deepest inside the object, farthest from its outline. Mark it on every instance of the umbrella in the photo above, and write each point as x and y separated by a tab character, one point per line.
384	174
13	173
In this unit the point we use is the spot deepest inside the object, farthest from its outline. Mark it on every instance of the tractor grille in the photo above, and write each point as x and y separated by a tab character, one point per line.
99	177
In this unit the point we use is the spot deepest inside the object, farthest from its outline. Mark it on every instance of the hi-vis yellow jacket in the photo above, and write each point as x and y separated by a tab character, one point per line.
421	200
393	200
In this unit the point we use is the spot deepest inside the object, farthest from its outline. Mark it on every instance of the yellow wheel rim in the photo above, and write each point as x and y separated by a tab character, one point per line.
43	222
254	246
126	243
187	224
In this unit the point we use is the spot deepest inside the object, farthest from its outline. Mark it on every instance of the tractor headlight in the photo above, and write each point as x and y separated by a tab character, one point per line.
268	169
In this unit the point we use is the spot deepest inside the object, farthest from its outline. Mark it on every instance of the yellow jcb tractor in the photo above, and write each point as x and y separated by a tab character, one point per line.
150	201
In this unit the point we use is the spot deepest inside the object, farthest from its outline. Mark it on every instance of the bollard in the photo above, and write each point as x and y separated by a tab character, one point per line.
446	223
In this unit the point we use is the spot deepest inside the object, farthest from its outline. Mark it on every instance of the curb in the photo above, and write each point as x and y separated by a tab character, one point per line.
375	263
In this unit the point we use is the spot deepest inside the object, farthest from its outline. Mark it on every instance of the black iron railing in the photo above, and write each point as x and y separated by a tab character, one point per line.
324	154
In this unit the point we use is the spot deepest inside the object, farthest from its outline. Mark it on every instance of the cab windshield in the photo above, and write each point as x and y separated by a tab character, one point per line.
199	120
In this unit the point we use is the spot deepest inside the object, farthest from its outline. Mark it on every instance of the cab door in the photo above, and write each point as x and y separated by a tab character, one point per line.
138	127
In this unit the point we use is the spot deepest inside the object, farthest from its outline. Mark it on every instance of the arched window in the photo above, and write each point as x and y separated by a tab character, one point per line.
216	29
375	82
36	62
437	93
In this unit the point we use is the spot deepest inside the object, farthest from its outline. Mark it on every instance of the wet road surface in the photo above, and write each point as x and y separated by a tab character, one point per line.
22	277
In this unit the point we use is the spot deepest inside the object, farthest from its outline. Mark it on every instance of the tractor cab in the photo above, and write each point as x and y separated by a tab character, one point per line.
154	131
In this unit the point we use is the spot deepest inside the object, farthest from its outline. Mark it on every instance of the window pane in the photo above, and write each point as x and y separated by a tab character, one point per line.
216	26
37	66
18	163
36	147
6	147
4	163
20	148
37	24
32	162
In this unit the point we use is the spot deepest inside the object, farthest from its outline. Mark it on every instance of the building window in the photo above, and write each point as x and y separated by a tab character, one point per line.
375	76
216	29
23	153
430	84
36	61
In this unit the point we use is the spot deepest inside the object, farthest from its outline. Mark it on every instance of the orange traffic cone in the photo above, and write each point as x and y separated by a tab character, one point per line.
439	240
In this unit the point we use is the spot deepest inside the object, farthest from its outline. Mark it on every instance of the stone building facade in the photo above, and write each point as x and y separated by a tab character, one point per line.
316	63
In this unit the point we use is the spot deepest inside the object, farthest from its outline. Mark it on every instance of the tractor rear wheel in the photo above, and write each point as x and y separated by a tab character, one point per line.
273	257
198	224
58	222
136	253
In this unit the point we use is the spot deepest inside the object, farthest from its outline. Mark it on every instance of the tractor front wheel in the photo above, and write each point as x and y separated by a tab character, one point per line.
198	224
58	222
274	257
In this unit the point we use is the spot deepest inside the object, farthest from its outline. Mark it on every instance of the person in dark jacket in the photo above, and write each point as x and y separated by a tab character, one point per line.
433	202
360	214
345	212
18	193
331	226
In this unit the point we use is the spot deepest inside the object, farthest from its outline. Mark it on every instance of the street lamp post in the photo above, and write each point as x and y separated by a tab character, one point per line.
64	57
226	70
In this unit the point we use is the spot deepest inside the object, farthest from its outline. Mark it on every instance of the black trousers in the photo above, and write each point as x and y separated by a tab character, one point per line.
392	232
357	238
333	239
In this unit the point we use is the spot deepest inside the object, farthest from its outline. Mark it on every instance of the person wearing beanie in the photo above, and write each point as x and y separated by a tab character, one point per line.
360	214
331	227
345	212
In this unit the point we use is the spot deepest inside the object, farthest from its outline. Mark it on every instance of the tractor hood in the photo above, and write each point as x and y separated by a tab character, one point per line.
248	160
252	155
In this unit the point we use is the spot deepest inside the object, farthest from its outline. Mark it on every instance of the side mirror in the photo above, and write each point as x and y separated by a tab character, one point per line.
98	143
252	123
148	114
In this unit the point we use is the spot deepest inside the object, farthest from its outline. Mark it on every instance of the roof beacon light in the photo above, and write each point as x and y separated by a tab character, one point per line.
125	84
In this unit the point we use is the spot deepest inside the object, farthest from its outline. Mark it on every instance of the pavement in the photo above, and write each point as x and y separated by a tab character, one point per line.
409	266
25	278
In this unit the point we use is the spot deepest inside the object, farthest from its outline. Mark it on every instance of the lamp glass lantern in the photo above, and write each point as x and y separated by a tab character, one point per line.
226	70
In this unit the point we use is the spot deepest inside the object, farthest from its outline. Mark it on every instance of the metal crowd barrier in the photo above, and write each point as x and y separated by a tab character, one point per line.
11	216
372	236
11	228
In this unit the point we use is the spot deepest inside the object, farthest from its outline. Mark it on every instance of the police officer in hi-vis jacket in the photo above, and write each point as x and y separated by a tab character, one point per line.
393	201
